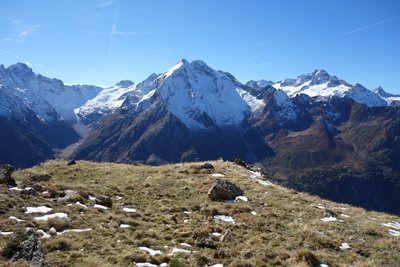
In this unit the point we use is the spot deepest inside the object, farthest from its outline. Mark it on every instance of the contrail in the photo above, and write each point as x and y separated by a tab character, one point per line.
369	26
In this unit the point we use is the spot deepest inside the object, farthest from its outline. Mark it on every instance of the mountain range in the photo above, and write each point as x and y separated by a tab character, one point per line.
315	133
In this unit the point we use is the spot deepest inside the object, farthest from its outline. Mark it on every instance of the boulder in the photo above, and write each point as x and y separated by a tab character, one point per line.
40	177
224	190
71	162
6	171
28	191
38	188
104	201
241	163
30	250
206	166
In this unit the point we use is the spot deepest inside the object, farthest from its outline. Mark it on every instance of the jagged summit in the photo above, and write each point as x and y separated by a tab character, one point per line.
49	98
19	66
318	76
180	65
391	99
259	84
380	91
189	68
321	85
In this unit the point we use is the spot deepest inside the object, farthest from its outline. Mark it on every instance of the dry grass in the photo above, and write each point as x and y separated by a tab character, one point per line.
287	230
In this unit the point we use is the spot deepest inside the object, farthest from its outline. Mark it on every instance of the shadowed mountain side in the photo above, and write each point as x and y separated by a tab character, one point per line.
157	136
354	160
27	142
15	135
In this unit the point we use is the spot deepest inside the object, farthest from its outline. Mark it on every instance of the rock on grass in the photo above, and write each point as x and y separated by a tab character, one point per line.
224	190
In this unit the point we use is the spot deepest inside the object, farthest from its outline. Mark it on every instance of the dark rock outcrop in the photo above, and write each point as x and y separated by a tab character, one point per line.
6	171
224	190
30	250
241	163
206	166
38	188
71	162
28	191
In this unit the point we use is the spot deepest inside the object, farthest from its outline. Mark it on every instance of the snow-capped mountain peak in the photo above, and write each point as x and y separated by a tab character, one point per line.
105	102
321	85
194	91
380	91
49	98
181	65
391	99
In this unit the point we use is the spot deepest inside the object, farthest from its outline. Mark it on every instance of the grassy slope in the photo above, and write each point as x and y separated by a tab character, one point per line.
287	229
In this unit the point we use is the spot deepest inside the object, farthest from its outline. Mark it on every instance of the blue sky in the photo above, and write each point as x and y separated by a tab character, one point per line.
102	42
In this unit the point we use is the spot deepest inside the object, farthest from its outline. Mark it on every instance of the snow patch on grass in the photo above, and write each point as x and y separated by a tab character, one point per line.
329	219
100	207
60	215
81	205
394	225
179	251
6	233
242	198
344	246
75	231
129	210
152	252
224	218
40	209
